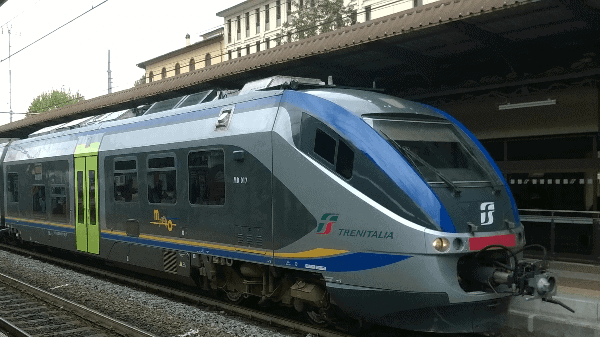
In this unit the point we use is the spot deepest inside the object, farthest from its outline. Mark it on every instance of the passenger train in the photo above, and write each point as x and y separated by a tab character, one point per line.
335	201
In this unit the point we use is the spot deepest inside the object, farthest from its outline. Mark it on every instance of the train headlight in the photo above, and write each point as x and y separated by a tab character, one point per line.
441	244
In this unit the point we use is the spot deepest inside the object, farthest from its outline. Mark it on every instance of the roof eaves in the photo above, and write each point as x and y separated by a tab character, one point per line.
396	24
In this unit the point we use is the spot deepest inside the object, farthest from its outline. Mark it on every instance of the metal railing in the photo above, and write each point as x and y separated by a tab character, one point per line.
567	235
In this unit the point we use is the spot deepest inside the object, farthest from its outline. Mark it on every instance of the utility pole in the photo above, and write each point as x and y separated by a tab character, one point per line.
9	80
109	78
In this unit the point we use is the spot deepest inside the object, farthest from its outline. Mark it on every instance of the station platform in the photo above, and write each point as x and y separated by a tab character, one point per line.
579	288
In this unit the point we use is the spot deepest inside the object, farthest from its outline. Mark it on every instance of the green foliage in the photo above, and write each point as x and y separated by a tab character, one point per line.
141	81
52	100
316	17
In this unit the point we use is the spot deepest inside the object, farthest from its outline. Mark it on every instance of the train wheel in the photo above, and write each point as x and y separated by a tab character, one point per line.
234	297
316	318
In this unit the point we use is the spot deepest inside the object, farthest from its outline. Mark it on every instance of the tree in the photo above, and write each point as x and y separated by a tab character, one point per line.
141	81
316	17
52	100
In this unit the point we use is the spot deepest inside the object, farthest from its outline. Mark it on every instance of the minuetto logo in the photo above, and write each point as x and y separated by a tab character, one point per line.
327	221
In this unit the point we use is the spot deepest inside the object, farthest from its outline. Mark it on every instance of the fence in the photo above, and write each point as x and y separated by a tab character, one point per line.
567	235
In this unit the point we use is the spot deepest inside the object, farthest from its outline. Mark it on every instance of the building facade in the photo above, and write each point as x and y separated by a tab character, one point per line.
256	25
201	54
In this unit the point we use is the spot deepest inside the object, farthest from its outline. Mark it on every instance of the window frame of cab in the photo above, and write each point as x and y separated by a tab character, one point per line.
310	127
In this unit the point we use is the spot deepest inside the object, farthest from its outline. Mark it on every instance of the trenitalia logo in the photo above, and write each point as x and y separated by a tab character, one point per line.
327	220
487	213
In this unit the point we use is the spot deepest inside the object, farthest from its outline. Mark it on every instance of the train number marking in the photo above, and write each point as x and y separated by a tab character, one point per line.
240	180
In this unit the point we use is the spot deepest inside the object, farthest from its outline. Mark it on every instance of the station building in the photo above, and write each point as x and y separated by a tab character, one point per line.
194	56
255	25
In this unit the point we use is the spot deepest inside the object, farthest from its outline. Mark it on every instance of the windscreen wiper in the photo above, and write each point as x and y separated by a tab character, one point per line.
413	156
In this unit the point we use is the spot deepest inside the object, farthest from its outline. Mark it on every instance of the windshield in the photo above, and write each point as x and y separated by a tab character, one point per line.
436	149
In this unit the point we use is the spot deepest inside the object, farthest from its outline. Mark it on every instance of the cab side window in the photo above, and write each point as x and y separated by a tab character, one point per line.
328	147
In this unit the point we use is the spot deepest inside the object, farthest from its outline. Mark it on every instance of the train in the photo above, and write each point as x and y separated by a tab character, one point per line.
343	203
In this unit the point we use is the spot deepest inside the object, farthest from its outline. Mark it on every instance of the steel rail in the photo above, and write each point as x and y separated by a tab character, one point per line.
183	295
13	330
77	309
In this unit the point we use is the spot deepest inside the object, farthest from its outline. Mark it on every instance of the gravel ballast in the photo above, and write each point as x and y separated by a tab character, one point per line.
155	314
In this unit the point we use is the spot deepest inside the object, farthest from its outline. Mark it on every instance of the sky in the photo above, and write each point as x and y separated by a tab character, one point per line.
75	57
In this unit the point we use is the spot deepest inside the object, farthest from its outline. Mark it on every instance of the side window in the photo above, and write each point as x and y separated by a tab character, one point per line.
125	180
38	196
57	179
336	152
345	160
325	146
207	177
162	180
13	187
58	201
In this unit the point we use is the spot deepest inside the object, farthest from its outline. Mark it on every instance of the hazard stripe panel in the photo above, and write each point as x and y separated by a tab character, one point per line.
508	240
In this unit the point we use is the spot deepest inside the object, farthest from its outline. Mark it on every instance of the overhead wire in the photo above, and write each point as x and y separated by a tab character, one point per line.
34	42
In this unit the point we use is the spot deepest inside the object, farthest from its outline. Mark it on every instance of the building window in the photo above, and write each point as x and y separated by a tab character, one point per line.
125	180
257	15
278	39
177	69
239	28
353	17
301	3
207	177
288	9
257	46
417	3
150	77
207	60
163	73
13	187
278	13
266	17
267	43
229	54
247	49
367	13
229	31
192	64
247	24
239	52
289	37
162	180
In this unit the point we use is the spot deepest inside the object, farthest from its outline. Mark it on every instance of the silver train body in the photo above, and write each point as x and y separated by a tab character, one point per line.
315	197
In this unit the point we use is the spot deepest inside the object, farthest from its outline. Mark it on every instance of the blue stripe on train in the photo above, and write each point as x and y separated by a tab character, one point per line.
339	263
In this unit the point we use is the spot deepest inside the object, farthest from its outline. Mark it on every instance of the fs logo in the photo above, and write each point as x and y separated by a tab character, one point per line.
327	220
487	213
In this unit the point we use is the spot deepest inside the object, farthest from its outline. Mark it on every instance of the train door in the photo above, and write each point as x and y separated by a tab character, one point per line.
87	230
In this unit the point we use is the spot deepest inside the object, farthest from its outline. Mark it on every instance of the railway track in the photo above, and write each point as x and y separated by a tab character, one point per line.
29	311
184	295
